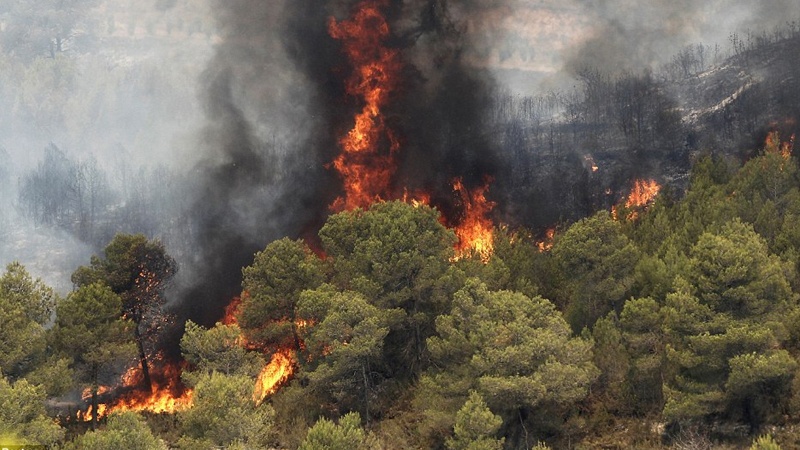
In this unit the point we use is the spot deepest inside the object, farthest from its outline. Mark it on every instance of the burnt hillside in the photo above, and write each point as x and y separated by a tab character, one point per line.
578	152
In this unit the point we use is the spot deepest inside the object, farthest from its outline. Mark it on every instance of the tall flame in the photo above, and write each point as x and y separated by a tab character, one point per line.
274	375
476	231
231	310
366	163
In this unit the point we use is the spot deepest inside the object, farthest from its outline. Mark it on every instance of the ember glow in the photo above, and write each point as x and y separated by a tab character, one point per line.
476	231
590	163
230	311
274	375
366	163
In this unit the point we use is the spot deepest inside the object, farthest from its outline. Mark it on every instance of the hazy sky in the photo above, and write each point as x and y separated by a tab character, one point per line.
553	37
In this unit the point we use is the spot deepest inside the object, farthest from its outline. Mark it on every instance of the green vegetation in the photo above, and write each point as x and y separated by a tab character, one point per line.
124	430
225	415
637	332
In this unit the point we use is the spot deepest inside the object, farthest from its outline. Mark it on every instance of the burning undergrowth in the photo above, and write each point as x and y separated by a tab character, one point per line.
165	394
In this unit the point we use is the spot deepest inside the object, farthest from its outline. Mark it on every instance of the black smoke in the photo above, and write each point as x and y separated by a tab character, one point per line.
276	106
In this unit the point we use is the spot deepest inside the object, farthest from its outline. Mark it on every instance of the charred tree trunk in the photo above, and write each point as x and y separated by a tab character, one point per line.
94	396
142	357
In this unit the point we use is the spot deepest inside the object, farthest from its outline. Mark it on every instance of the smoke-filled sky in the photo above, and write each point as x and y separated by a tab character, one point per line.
550	39
243	96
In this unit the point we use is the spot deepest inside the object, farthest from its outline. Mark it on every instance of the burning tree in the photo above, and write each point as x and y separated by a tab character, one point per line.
138	270
369	159
89	329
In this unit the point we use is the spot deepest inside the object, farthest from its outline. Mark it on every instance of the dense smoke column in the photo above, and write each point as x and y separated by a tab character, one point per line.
277	71
439	110
262	176
445	110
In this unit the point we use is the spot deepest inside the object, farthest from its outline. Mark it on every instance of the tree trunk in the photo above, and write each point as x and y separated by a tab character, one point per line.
296	337
366	392
143	358
94	396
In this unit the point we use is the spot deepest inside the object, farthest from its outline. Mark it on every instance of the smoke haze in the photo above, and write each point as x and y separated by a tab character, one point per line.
243	101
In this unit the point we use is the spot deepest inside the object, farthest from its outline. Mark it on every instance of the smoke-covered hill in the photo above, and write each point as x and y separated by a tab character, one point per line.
576	152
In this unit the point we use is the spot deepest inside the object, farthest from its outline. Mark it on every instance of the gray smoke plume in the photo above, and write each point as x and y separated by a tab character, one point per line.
257	181
629	35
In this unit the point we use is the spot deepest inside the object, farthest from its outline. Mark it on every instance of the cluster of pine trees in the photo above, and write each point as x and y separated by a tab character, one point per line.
675	325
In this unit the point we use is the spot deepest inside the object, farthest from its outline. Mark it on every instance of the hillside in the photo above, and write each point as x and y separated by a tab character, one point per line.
339	231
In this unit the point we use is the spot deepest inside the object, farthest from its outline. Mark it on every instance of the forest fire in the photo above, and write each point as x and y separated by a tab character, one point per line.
773	144
280	367
475	232
547	243
166	395
642	194
366	163
230	311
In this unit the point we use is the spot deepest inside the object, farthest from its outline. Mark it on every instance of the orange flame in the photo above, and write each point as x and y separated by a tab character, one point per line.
773	145
476	231
166	395
642	194
366	163
547	243
87	415
274	375
230	312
